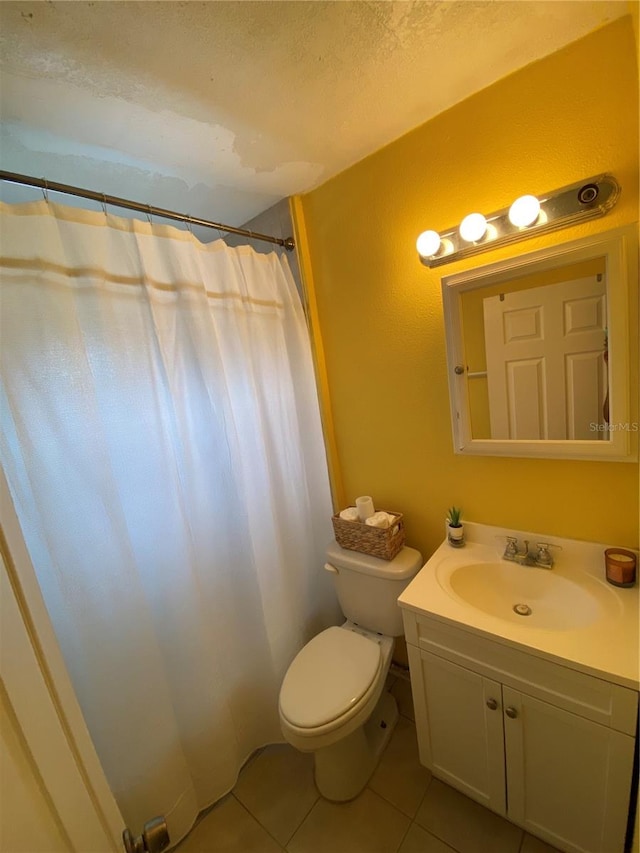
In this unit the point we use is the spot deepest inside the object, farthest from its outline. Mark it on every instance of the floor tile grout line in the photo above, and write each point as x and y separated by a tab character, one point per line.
411	818
283	846
372	791
433	835
202	815
376	794
251	815
386	799
306	815
402	840
395	806
430	830
446	843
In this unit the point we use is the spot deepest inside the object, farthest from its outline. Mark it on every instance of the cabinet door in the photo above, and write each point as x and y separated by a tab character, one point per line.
463	738
568	778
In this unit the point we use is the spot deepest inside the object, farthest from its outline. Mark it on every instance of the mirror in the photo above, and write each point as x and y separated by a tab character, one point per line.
538	352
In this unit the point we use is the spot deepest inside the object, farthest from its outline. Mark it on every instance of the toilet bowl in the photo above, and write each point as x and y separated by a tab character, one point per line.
333	703
332	700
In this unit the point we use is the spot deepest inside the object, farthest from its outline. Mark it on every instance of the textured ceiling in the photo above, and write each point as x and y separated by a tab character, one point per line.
219	109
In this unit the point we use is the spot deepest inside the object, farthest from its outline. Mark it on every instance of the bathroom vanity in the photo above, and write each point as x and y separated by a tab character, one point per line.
532	712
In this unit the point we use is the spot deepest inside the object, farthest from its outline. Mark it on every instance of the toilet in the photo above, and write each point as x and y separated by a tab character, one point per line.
332	699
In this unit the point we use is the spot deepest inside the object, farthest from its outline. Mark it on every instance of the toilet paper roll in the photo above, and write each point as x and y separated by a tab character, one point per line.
379	519
365	507
350	514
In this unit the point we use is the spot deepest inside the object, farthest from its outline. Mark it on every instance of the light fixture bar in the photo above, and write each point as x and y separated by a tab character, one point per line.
569	205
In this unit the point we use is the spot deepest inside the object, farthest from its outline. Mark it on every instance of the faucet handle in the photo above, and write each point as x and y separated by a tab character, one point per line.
543	555
512	547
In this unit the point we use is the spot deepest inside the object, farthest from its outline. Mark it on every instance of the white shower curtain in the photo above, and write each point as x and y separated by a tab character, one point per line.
161	437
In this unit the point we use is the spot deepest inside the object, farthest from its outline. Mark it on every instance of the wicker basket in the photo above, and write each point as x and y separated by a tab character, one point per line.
375	541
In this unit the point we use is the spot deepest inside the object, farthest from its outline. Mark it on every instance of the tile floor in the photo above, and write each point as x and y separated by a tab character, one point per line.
275	808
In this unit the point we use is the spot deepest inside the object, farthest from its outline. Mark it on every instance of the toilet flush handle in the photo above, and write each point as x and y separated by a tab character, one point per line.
331	568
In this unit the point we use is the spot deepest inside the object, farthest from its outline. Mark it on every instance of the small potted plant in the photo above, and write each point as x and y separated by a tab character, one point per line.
455	528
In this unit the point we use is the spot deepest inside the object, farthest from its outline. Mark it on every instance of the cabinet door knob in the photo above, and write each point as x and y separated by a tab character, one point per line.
492	704
511	712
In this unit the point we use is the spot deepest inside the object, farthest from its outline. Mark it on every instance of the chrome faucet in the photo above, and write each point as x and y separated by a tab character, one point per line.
542	556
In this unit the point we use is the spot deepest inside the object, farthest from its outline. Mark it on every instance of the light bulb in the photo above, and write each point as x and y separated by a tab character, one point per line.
428	244
524	211
473	227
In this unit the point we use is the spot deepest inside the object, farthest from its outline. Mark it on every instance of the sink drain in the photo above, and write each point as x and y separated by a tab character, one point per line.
522	609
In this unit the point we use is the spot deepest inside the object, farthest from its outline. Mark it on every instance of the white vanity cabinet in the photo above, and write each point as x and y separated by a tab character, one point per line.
548	747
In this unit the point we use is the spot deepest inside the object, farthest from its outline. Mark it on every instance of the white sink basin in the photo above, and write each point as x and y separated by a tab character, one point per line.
576	617
531	596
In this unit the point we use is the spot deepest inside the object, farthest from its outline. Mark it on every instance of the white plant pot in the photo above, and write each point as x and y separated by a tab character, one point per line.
455	536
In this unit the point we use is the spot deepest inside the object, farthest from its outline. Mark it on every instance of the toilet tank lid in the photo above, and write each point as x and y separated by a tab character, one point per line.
404	565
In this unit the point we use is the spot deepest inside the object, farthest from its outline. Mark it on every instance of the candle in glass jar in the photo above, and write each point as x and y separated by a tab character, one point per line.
620	566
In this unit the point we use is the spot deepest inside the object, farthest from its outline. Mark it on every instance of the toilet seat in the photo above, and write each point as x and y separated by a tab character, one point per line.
329	679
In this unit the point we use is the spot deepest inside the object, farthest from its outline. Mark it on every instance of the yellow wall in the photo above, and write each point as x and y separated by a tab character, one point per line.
634	11
567	117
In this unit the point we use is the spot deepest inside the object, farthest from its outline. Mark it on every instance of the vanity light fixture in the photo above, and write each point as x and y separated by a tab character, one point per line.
528	215
473	227
524	211
428	243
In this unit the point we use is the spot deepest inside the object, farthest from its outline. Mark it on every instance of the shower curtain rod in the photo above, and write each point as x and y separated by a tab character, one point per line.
12	177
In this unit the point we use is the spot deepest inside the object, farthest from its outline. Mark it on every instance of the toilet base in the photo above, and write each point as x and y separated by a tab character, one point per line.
343	769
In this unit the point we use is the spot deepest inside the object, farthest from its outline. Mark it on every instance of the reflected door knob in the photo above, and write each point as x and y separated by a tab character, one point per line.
511	712
492	704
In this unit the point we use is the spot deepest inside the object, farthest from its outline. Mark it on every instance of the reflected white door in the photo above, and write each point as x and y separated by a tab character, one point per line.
547	377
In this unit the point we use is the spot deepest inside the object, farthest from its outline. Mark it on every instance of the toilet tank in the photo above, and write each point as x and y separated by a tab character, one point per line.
368	588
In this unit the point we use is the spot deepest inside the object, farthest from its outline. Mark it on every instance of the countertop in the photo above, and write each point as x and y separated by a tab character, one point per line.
607	648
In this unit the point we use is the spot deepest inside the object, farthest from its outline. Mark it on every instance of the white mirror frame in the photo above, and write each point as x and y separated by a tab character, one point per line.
619	248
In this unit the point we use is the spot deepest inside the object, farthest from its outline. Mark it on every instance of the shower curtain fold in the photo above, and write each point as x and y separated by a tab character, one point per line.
161	436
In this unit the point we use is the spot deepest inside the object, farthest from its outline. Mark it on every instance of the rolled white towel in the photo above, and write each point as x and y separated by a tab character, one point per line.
380	519
350	514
